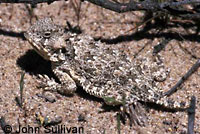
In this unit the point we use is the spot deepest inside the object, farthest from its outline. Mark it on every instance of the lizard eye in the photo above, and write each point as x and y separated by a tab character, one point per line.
47	35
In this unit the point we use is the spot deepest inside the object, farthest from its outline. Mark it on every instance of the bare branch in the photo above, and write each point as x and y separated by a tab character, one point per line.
170	7
145	5
117	7
28	1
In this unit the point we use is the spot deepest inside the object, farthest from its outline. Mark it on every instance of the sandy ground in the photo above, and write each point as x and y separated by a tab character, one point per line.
82	110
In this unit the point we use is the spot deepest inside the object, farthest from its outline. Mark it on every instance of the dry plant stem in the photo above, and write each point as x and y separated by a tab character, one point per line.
21	88
191	115
3	124
76	4
143	23
185	77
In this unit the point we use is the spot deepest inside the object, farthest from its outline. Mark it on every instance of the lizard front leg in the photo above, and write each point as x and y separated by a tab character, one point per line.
66	85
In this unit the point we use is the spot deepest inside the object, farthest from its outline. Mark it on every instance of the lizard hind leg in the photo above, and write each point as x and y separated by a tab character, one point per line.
135	113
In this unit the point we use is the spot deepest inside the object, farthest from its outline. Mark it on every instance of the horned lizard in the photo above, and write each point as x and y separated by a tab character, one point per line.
101	70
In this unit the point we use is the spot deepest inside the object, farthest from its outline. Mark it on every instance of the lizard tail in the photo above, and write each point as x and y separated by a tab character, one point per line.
171	104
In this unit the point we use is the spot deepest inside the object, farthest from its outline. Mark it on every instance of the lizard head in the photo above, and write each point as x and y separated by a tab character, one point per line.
46	38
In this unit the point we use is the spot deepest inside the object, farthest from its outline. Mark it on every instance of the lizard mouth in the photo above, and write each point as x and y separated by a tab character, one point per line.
39	49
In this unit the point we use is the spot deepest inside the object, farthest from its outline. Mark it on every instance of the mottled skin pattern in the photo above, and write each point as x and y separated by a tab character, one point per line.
102	70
